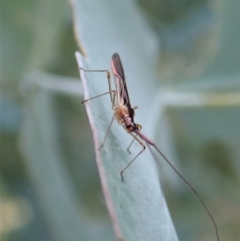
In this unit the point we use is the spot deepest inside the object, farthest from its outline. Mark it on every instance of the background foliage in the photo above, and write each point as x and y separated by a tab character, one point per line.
46	144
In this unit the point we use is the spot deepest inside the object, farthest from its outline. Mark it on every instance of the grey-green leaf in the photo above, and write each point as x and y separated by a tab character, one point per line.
137	205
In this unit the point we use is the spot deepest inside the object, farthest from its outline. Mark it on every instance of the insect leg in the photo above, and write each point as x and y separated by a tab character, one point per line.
109	127
139	129
143	146
111	92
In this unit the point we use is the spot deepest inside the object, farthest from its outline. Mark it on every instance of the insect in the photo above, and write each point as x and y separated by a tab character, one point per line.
124	113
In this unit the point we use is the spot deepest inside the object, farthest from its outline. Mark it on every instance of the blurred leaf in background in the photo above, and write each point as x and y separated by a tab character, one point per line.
49	181
47	191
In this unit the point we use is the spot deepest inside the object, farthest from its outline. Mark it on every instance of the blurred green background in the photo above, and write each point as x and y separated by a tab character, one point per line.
45	140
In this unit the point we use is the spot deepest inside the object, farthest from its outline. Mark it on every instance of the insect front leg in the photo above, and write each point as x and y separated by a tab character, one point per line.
111	92
109	127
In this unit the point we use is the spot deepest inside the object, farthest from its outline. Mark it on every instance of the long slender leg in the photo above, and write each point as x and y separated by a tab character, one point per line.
113	92
112	97
128	149
143	146
139	129
109	127
109	82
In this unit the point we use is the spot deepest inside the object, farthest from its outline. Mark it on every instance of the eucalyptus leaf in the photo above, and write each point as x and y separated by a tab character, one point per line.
137	205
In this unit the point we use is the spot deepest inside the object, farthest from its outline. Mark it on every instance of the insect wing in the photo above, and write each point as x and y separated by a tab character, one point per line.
119	77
